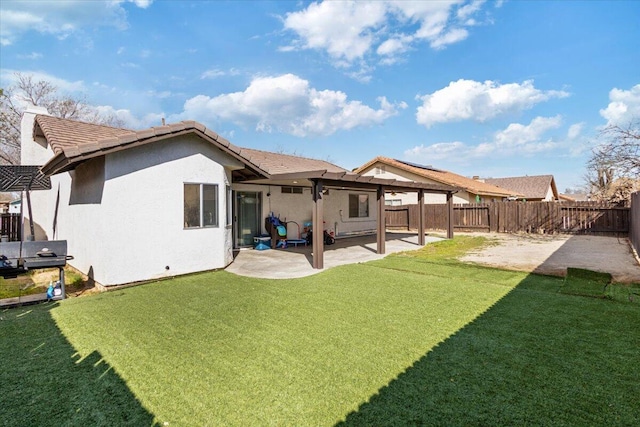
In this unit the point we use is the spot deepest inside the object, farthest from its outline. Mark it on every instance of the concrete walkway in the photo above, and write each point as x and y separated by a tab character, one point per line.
296	261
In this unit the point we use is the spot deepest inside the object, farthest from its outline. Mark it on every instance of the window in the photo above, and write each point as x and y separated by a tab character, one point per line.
393	202
379	170
229	202
358	205
200	205
291	190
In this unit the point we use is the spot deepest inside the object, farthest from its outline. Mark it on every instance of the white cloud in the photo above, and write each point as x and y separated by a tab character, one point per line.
130	120
464	12
575	130
378	31
32	55
289	105
8	77
215	73
439	151
453	36
60	18
624	106
344	29
479	101
525	137
514	139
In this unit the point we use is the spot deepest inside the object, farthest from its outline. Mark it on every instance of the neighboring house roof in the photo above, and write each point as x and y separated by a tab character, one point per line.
531	187
441	176
576	197
74	142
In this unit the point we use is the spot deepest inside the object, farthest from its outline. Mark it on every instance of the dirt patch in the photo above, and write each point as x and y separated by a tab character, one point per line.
553	254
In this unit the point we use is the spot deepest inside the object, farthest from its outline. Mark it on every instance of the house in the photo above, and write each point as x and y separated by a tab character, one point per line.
574	197
5	199
15	206
539	188
179	198
471	190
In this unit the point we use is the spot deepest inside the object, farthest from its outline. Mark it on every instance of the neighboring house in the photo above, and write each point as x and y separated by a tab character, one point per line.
14	206
471	190
574	197
539	188
179	198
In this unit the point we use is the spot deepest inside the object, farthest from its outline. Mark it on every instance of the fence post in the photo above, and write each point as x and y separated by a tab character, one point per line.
449	215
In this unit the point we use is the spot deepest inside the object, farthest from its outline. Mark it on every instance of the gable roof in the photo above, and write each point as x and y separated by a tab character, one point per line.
531	187
441	176
74	142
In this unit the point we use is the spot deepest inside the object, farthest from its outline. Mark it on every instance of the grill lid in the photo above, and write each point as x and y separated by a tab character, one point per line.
23	178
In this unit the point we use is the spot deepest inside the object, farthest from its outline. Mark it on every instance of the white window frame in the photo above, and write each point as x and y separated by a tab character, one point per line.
201	207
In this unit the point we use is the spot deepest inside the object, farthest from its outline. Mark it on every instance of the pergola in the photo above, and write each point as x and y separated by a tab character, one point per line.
319	180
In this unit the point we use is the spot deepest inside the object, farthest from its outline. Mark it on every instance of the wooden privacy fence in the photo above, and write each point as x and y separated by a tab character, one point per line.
10	226
634	225
517	217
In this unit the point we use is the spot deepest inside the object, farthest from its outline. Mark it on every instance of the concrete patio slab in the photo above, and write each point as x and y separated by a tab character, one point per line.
296	262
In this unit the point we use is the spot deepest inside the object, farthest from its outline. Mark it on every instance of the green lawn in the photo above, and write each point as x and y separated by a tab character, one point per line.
414	339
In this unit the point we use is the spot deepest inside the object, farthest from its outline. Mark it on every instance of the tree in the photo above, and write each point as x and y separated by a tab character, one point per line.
613	171
26	92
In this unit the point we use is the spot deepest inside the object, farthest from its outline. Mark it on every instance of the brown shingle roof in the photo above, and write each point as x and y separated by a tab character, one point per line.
531	187
276	163
442	176
69	134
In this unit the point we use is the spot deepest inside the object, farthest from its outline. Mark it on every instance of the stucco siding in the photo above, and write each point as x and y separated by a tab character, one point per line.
123	214
298	208
391	172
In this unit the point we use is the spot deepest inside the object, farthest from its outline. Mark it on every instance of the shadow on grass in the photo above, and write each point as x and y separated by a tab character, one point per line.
535	357
45	384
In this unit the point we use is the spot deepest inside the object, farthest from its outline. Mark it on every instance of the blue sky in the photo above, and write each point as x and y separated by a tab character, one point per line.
479	88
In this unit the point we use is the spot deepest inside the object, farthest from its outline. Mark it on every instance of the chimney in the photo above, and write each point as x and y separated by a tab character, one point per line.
33	152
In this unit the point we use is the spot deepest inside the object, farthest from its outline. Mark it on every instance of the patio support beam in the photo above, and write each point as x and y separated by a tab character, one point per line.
449	215
381	232
317	225
421	217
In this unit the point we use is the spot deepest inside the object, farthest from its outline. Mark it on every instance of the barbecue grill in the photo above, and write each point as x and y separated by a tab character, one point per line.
19	257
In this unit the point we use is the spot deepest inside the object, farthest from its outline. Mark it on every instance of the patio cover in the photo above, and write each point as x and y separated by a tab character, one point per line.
321	179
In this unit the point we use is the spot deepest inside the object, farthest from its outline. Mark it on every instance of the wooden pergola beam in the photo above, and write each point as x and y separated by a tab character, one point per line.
381	221
317	225
450	215
421	218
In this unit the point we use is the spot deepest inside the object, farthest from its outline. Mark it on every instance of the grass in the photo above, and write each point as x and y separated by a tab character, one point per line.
599	285
414	339
37	281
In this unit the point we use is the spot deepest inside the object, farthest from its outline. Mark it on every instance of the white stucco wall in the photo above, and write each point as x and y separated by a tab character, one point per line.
123	214
412	198
298	208
549	196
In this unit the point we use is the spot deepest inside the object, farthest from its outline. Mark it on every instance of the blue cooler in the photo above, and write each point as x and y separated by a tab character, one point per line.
262	243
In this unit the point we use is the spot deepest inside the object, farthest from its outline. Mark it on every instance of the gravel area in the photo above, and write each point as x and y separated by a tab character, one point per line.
553	254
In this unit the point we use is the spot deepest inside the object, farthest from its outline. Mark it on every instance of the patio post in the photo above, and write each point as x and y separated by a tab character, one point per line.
381	232
421	217
449	215
317	225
